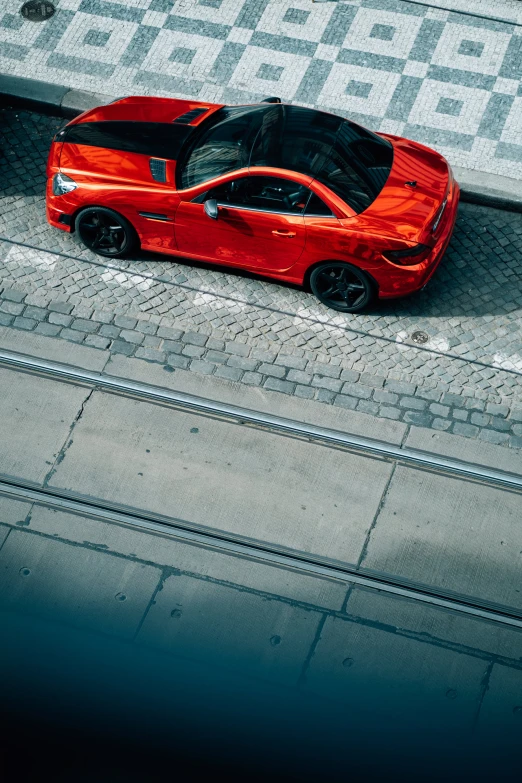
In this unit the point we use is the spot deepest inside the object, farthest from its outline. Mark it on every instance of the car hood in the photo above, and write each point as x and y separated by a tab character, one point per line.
140	108
403	210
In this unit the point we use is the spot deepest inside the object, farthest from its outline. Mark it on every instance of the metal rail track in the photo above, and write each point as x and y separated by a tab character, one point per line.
270	422
272	554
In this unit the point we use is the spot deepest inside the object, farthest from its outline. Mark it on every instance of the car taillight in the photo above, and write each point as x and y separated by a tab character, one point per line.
408	257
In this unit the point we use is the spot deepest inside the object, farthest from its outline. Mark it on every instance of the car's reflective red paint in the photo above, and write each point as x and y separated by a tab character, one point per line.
282	246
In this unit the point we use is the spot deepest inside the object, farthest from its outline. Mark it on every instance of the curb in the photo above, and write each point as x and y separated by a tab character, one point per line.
477	187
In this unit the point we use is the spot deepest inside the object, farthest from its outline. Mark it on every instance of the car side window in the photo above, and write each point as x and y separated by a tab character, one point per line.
266	194
317	207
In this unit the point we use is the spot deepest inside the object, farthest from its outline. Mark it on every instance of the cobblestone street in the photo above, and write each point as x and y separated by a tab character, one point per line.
467	378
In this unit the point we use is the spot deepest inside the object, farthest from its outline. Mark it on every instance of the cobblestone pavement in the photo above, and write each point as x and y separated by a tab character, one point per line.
448	79
467	378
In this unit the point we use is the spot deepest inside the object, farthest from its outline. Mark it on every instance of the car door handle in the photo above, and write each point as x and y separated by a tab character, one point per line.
279	233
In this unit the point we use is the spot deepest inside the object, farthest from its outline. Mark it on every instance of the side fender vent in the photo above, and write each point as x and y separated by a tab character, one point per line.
158	169
185	119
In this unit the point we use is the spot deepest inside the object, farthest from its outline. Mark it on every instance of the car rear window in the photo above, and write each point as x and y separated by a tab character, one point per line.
352	161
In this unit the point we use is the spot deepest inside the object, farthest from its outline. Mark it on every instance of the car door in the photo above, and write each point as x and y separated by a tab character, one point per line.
260	223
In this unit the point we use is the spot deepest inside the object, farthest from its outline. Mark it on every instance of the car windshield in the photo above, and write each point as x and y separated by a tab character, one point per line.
222	144
352	161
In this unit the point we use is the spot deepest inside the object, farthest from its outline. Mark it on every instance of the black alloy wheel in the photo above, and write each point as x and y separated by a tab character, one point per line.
341	286
105	232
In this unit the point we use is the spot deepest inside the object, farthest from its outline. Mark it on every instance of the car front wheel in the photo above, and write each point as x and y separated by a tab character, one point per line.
105	232
342	286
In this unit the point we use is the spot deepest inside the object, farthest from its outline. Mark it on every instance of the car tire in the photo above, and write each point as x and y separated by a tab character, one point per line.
342	287
106	232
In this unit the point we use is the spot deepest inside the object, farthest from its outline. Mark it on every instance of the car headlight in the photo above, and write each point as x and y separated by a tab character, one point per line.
63	184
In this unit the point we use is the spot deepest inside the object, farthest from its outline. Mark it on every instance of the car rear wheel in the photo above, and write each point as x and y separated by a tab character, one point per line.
341	286
105	232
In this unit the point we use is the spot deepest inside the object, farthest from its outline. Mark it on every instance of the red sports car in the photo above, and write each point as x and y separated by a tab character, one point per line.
289	192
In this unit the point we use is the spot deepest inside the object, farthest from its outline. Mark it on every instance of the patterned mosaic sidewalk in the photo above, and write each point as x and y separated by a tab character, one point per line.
447	79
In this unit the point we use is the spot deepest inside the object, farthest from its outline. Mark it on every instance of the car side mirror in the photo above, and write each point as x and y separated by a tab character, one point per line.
211	208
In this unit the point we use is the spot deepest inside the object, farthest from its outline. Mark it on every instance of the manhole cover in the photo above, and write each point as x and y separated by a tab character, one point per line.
420	338
37	11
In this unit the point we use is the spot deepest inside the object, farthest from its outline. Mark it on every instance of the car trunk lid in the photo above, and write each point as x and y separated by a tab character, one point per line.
413	197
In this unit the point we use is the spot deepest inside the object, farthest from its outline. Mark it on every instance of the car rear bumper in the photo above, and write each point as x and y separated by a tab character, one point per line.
406	280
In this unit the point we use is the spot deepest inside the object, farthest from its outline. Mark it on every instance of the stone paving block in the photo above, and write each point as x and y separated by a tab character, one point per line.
195	338
439	410
150	354
124	322
515	442
84	325
24	323
413	402
468	430
253	379
96	341
500	424
375	381
38	313
418	418
272	370
305	392
293	362
459	414
13	308
492	436
193	351
300	377
175	360
60	319
356	390
480	419
275	384
345	401
241	363
325	395
454	400
516	413
497	410
131	336
380	395
215	345
240	349
203	368
120	346
367	406
230	373
50	330
58	306
6	319
12	295
388	412
400	387
103	316
171	346
146	327
218	357
328	370
151	341
441	424
169	333
327	383
350	375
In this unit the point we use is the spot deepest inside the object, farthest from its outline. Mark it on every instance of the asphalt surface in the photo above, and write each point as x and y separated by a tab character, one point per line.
466	378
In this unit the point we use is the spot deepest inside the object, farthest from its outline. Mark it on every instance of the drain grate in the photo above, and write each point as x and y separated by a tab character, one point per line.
420	338
37	10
